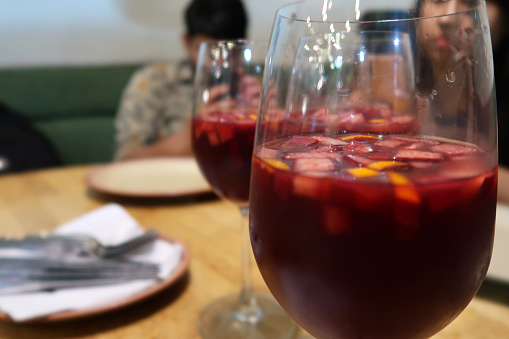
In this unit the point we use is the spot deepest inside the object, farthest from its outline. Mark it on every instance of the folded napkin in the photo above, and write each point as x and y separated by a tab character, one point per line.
110	224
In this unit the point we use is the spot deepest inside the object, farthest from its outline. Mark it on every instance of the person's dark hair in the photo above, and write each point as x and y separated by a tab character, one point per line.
218	19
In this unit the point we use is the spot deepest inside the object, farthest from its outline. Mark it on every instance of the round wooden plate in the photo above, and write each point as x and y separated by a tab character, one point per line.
149	178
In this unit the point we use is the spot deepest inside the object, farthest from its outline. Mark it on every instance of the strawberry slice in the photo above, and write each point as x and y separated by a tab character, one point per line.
418	155
389	143
314	164
384	112
359	160
312	155
298	142
329	141
403	119
381	156
415	145
451	149
307	187
324	149
421	164
351	118
225	132
404	138
358	147
430	141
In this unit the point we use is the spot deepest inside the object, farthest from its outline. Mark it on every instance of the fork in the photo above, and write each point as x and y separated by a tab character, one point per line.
85	242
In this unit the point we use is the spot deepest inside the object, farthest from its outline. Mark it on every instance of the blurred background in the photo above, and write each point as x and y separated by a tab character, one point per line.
75	32
65	63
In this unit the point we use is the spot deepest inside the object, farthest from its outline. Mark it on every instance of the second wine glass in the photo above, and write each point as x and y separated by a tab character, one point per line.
227	89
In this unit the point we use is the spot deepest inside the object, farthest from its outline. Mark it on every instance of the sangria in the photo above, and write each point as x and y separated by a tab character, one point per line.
374	174
227	92
223	145
394	231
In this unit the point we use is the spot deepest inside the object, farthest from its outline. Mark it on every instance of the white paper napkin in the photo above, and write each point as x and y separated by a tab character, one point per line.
110	224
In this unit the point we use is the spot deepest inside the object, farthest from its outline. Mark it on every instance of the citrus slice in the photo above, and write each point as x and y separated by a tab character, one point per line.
360	137
362	172
277	164
383	165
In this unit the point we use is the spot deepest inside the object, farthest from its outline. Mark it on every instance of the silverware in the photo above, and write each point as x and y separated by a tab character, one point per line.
35	286
84	242
27	275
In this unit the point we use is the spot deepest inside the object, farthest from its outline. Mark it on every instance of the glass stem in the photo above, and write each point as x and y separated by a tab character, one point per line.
248	308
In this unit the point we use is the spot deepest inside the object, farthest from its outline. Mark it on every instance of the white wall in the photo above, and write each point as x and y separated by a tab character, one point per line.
82	32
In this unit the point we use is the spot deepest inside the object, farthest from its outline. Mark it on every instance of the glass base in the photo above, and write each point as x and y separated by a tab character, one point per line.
223	319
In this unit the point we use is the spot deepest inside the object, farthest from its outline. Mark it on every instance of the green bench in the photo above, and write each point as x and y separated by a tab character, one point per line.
74	107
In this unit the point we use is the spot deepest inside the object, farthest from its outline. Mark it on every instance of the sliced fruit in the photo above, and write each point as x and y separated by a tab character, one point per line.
314	164
383	165
451	149
337	219
377	121
329	141
359	160
415	146
312	155
362	172
269	153
225	132
277	164
398	179
389	143
213	137
307	187
360	137
358	147
418	155
403	119
298	142
403	138
381	156
421	164
324	149
404	189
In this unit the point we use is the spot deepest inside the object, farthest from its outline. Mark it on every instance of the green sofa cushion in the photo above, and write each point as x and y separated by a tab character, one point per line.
74	107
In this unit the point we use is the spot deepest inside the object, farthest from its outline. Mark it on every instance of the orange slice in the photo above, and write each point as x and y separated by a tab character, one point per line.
383	165
277	164
377	121
359	137
404	189
398	179
362	172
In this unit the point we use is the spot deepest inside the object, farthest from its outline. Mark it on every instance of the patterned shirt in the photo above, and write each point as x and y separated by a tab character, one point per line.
155	104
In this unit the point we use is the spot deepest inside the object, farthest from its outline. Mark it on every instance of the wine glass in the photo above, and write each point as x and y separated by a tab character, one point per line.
227	89
374	174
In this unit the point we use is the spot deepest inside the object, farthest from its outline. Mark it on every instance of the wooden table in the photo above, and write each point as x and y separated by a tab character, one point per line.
41	200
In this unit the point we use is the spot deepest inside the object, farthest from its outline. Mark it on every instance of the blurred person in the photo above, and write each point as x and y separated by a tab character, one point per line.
498	12
155	109
444	43
449	31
